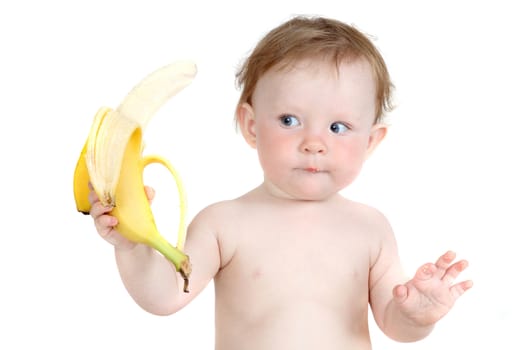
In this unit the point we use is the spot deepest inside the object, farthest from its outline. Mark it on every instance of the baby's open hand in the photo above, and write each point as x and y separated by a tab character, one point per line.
432	292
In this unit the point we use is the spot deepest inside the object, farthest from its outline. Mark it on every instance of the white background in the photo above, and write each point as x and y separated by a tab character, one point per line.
448	176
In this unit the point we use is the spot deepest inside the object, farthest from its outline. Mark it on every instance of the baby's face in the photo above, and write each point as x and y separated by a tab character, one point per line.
313	126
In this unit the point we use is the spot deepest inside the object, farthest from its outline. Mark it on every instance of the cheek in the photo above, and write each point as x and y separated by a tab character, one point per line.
272	149
352	153
272	141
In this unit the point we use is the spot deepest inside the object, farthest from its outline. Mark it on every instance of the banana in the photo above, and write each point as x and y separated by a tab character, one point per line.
80	184
154	90
112	161
81	175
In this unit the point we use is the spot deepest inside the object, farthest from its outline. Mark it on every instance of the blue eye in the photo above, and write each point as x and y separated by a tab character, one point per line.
288	120
338	128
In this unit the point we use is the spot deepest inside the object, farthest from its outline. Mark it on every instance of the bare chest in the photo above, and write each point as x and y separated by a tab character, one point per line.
299	259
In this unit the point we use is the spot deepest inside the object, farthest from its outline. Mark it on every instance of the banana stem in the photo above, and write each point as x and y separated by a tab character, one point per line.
180	260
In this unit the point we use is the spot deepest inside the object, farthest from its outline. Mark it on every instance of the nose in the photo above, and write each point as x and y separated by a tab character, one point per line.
313	146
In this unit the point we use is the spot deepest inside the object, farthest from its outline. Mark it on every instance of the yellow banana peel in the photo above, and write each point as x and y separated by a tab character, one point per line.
112	161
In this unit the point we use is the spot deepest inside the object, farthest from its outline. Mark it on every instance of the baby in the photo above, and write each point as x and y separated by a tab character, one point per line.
296	265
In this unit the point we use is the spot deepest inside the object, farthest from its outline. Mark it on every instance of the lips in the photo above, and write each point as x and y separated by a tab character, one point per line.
310	169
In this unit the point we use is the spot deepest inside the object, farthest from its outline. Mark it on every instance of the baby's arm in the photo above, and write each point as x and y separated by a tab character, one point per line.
150	279
408	311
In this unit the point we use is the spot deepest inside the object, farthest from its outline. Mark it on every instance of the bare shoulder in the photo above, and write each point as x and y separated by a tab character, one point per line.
220	220
218	214
222	213
379	232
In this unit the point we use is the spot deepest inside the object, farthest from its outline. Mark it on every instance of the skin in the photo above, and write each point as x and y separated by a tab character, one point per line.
295	264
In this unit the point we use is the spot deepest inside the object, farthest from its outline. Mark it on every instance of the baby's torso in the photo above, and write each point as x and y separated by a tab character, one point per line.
293	277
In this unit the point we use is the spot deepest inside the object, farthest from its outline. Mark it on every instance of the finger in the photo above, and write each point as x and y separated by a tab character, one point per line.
98	209
150	193
444	261
425	272
105	224
454	270
400	293
457	290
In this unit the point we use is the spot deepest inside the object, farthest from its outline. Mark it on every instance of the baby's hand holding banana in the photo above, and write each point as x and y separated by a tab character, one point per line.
112	161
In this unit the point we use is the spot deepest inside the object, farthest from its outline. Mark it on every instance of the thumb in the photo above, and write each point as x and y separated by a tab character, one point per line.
150	193
400	293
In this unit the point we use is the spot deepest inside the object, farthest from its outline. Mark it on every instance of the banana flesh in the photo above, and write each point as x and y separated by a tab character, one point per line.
143	101
112	161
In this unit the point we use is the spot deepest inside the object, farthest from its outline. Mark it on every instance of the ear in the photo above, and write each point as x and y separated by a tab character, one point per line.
246	121
377	134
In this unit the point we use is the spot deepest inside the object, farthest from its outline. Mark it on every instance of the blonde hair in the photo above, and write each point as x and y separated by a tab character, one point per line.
305	37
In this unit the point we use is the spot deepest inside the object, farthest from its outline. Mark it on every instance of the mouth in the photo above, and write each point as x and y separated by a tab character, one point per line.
312	170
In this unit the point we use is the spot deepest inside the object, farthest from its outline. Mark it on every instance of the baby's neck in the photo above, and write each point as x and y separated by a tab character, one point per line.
268	193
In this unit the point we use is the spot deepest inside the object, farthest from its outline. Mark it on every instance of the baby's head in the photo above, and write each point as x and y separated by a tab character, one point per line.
312	38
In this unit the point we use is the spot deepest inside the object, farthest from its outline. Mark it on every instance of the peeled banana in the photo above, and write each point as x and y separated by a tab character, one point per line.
112	161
